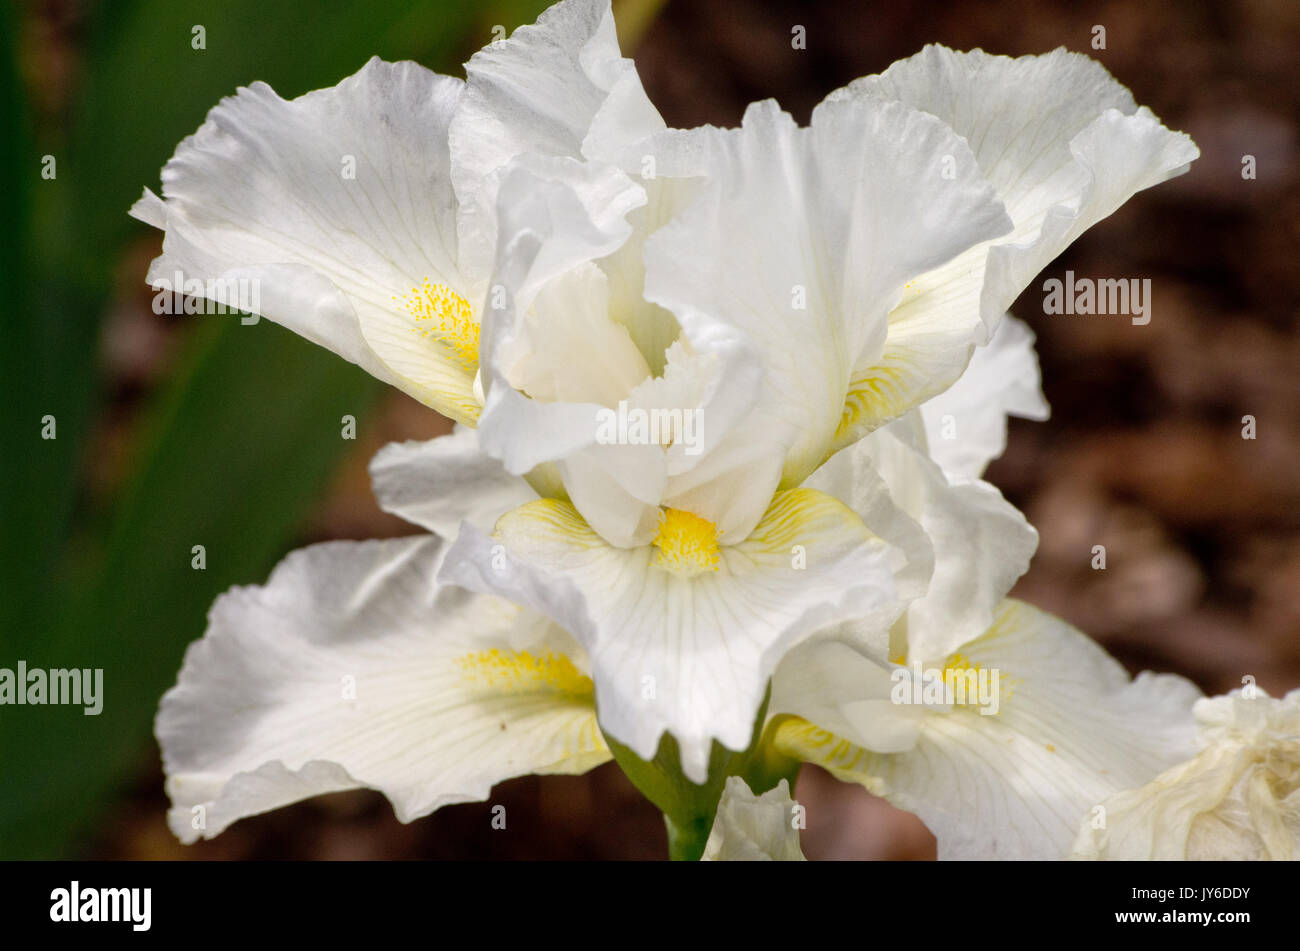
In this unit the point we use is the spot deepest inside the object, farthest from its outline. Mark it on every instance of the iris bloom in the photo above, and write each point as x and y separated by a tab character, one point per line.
1237	799
533	249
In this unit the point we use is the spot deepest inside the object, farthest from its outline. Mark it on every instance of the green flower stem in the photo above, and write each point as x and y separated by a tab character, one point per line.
686	843
689	807
767	765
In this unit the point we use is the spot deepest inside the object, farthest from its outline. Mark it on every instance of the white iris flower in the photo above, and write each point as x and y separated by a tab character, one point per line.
1238	799
533	250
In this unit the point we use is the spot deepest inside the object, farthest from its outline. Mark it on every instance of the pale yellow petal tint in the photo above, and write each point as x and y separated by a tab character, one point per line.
551	680
687	544
797	738
809	743
437	354
507	671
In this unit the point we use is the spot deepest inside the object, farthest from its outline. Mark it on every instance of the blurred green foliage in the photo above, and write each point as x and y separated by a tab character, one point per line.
237	445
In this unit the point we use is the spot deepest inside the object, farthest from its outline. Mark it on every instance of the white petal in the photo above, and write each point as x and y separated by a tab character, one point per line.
616	489
1237	800
442	482
556	215
557	218
804	238
980	543
853	476
1121	155
353	668
548	89
566	347
1071	729
966	424
575	364
338	203
689	655
1063	143
751	828
653	328
732	482
842	684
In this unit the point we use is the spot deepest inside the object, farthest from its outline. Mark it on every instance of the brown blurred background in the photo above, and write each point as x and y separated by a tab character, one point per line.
1143	453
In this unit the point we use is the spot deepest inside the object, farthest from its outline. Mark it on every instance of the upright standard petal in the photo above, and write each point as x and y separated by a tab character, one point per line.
564	368
558	87
684	634
751	828
338	206
557	216
1061	141
1000	748
804	239
352	667
1237	800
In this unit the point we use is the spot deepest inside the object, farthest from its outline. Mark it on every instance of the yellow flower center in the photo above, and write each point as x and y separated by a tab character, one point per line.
445	316
687	544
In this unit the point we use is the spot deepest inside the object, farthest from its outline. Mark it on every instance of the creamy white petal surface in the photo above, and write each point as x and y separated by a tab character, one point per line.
339	204
804	240
1237	800
570	350
440	483
1071	728
561	356
966	424
1061	141
352	667
652	328
557	215
683	635
751	828
558	87
582	343
978	543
